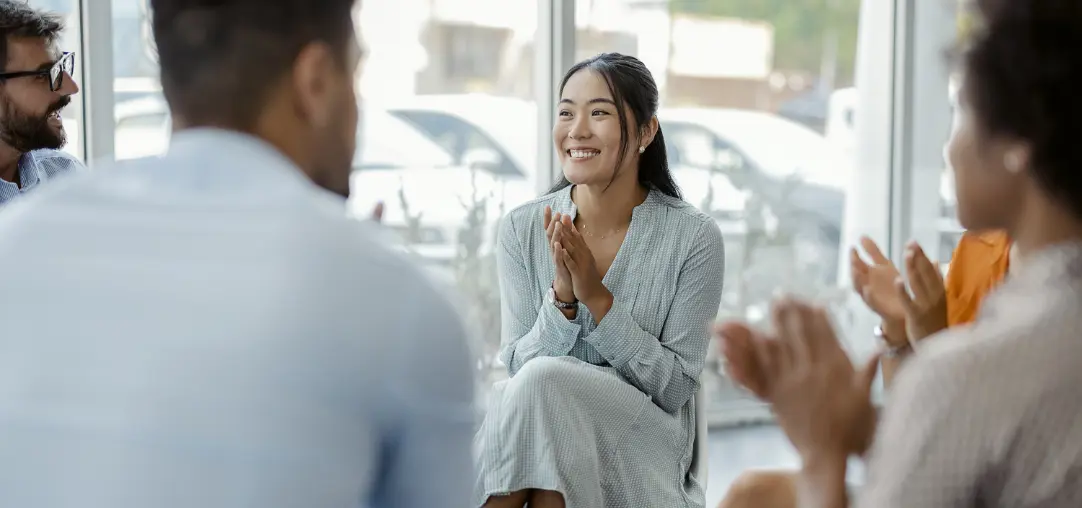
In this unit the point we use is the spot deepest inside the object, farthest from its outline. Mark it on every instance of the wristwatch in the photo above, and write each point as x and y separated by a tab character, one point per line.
556	301
892	351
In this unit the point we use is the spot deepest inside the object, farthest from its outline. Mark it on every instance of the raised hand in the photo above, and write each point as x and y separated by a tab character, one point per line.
747	355
562	283
875	283
820	399
926	308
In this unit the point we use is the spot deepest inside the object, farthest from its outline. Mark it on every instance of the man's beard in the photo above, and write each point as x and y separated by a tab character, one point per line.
25	132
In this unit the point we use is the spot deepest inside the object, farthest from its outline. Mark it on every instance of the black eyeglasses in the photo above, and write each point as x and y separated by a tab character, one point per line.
55	72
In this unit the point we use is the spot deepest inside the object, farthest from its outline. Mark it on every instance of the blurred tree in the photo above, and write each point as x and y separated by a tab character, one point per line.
476	274
805	31
968	20
413	220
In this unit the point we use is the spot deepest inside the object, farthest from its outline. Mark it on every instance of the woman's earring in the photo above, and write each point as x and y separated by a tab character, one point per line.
1013	161
642	149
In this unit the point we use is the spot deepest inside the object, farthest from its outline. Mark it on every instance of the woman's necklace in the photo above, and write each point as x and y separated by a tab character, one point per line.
586	231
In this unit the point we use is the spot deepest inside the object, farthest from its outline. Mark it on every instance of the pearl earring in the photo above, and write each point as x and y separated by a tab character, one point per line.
1012	161
642	149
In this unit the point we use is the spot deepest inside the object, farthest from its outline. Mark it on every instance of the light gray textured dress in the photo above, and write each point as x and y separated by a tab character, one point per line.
604	413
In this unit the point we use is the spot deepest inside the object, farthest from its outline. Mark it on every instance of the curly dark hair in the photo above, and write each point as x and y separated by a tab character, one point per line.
1023	70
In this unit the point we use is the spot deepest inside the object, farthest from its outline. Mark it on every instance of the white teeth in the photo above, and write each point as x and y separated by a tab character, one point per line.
583	154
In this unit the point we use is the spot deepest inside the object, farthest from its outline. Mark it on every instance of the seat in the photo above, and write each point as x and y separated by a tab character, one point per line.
700	456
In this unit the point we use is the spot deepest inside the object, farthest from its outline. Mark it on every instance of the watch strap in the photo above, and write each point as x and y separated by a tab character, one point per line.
891	350
561	304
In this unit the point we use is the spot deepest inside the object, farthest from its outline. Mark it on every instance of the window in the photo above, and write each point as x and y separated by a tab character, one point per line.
950	230
72	116
449	77
140	113
472	51
927	186
753	123
467	142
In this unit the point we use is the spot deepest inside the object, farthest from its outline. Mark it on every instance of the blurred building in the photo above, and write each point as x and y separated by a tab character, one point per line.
486	46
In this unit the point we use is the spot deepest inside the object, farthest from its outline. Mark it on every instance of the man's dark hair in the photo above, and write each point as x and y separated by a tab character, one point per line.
17	19
1023	71
220	58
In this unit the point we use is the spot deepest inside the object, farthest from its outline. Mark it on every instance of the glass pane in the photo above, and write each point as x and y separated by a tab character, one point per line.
142	117
72	116
449	140
950	230
758	106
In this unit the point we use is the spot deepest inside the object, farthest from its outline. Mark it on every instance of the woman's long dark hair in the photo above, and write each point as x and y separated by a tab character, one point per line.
632	87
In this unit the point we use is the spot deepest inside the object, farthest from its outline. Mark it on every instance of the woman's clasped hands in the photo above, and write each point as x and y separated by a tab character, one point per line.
577	277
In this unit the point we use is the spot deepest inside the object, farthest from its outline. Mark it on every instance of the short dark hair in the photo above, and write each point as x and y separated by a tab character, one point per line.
220	58
17	19
632	86
1023	74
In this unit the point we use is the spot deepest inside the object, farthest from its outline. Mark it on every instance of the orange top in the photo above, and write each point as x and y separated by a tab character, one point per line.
977	266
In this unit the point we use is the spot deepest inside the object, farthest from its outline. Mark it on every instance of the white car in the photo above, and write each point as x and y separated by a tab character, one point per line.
504	129
500	132
797	172
430	199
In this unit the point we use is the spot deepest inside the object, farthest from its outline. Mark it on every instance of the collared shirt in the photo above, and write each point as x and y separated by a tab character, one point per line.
978	265
987	414
37	167
209	329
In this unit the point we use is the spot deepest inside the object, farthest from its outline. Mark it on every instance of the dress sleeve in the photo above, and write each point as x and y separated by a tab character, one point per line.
530	326
667	367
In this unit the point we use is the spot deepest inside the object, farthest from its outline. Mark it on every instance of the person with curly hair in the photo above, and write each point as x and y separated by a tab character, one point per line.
980	262
983	414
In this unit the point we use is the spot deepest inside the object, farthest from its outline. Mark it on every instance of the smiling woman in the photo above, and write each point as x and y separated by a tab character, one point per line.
608	285
601	83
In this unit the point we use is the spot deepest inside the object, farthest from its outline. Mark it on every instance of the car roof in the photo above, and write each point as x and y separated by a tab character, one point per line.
778	144
495	115
385	142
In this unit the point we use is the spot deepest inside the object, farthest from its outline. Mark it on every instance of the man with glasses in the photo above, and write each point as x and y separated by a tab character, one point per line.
35	85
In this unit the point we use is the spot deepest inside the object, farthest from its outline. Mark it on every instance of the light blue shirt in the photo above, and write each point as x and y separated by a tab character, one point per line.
208	329
37	167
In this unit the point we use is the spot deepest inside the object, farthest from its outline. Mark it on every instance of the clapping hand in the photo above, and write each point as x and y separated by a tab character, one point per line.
585	277
562	284
875	283
926	308
822	402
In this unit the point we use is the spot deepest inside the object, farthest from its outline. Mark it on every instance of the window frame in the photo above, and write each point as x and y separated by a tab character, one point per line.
96	73
554	47
924	125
